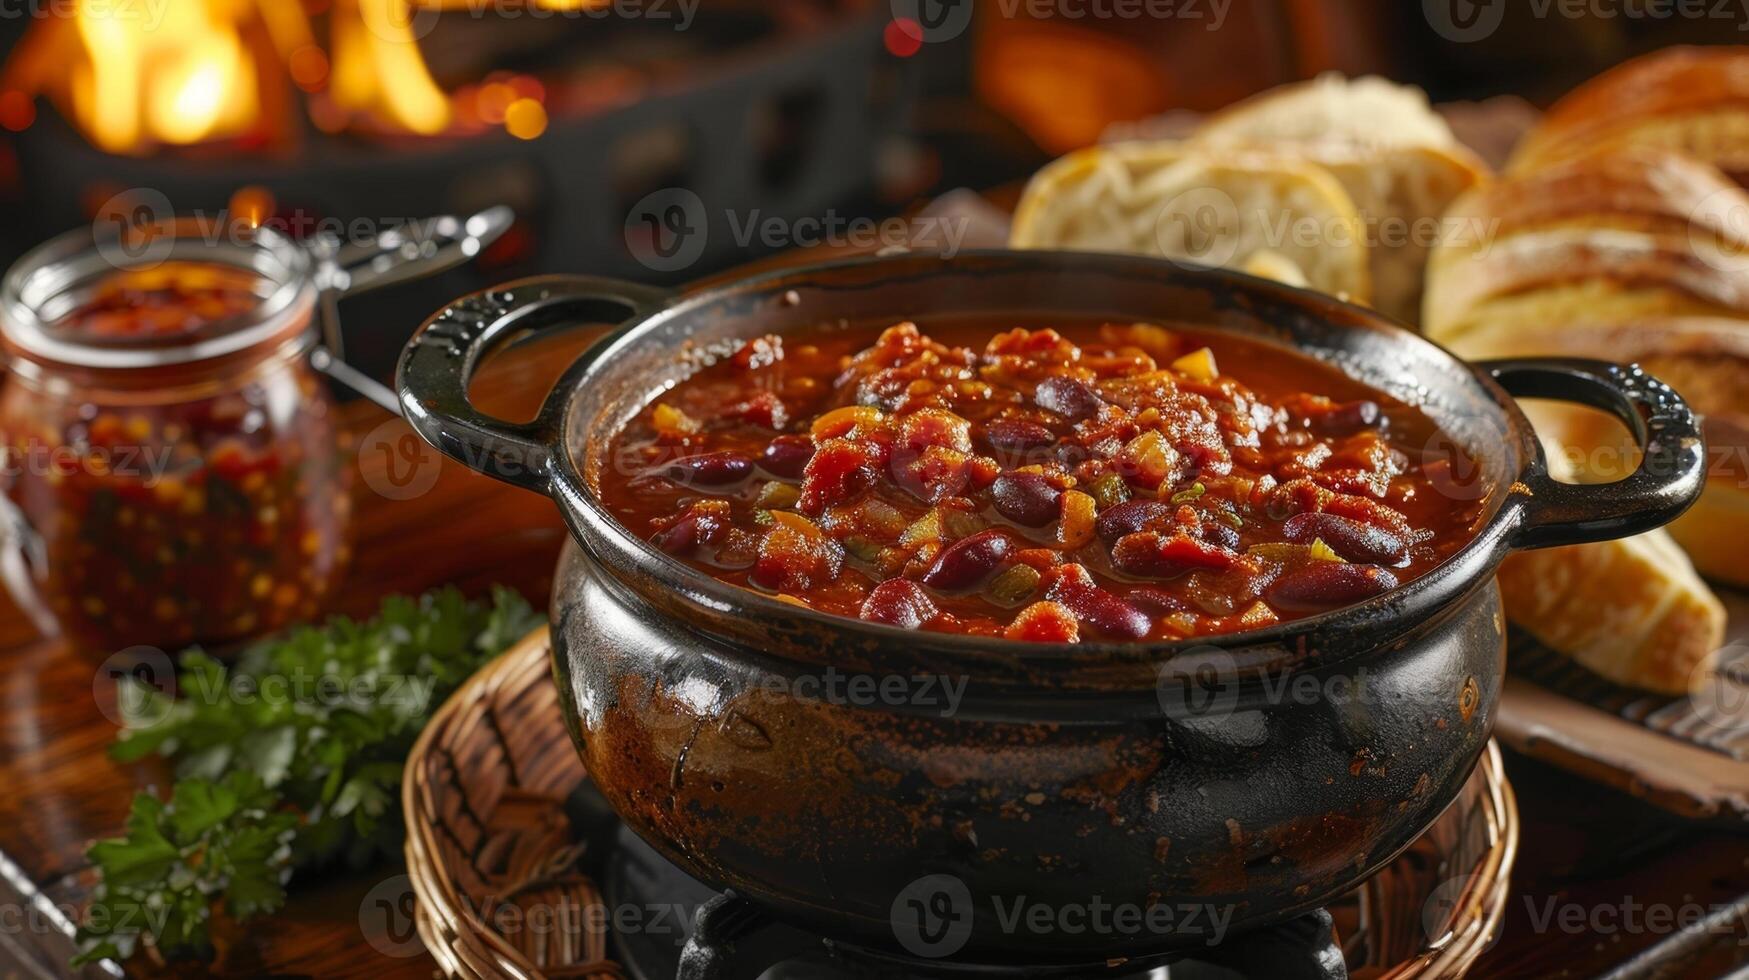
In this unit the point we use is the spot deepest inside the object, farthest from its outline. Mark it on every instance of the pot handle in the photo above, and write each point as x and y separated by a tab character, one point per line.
432	379
1672	470
400	254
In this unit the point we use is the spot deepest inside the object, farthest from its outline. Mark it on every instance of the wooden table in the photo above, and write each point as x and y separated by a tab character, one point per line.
1584	848
63	791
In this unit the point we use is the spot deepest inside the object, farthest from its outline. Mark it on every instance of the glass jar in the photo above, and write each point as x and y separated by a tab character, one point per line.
173	466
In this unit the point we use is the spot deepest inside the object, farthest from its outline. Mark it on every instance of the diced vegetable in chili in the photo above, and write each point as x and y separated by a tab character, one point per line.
1092	482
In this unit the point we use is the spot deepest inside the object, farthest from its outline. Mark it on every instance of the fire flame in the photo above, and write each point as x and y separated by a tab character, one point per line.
133	75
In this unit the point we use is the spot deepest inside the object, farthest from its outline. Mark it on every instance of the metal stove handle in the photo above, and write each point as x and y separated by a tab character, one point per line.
400	254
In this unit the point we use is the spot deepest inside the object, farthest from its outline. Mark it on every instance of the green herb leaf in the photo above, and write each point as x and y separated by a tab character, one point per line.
290	759
1189	493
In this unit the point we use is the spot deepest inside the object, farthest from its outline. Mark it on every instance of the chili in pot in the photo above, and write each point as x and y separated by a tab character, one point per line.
1101	481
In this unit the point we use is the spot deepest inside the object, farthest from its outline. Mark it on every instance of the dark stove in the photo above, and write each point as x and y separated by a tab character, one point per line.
698	933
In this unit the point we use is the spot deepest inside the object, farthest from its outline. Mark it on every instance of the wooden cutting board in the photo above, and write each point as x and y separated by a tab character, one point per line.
1687	755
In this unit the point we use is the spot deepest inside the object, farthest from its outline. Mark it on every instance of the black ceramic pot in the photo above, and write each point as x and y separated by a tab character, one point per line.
826	769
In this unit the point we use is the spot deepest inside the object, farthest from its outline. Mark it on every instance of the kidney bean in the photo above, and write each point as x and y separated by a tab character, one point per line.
968	561
1074	587
1070	455
1018	436
1157	601
1072	399
899	602
680	538
1219	534
1150	554
786	456
1130	517
1027	499
1347	418
1326	584
702	524
709	470
1351	539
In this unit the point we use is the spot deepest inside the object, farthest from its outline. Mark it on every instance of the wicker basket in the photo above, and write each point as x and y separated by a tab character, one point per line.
488	842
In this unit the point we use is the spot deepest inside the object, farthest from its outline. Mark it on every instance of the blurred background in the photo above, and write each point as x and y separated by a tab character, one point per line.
360	113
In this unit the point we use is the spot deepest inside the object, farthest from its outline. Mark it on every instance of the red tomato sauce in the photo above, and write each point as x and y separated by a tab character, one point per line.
1110	482
166	301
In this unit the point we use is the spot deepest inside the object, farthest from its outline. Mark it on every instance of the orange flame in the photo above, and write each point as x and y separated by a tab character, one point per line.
133	75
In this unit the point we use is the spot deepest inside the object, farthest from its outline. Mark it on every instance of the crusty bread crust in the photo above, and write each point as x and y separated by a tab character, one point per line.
1707	360
1401	194
1612	238
1691	99
1331	108
1179	200
1632	610
1626	254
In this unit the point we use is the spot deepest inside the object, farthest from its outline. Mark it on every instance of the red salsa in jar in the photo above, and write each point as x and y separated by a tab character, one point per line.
166	301
1098	482
167	493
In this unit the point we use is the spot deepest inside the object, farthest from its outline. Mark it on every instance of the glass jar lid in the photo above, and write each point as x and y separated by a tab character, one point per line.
172	292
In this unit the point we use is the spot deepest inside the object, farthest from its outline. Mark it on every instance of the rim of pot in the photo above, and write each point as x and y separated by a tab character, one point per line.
780	631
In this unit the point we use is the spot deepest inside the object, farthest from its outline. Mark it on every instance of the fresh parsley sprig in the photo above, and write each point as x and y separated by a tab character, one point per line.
290	759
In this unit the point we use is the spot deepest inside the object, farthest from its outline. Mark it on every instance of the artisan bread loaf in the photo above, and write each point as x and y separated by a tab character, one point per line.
1235	208
1370	111
1639	254
1396	158
1632	610
1691	99
1602	240
1707	361
1401	193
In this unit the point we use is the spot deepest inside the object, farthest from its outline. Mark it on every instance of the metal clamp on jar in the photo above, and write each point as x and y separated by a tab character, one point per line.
173	470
